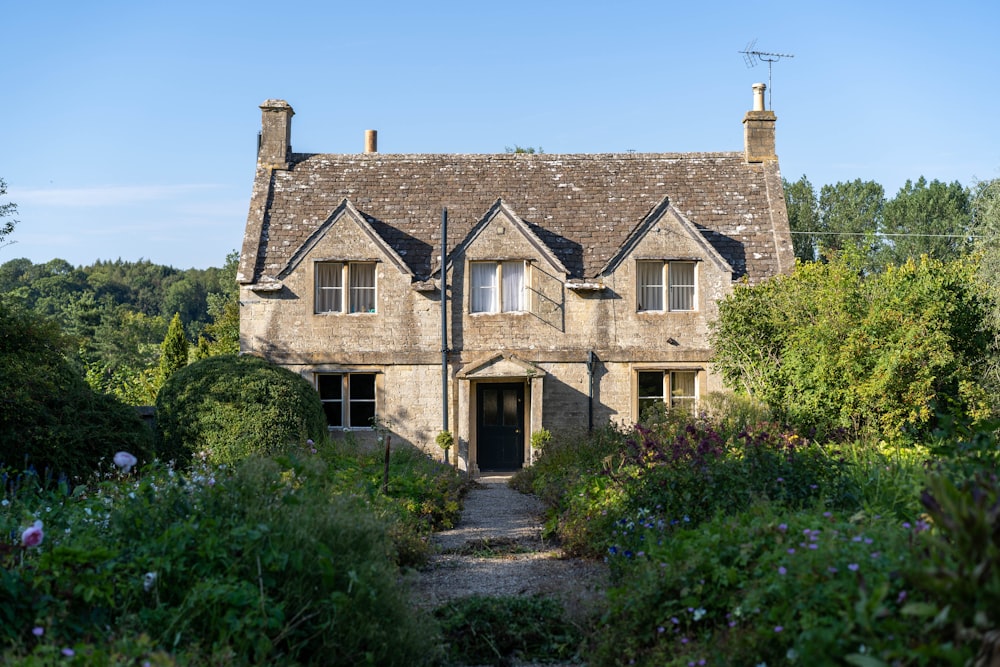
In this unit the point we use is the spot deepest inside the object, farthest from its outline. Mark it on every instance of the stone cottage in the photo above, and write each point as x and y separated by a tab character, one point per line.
578	288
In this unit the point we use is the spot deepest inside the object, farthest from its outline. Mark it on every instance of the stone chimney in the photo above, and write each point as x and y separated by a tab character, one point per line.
758	129
275	147
371	141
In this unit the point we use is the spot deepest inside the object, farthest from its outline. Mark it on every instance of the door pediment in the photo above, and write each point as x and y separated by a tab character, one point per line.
499	366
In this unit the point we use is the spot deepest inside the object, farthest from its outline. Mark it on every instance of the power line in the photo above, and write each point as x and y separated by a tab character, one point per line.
943	236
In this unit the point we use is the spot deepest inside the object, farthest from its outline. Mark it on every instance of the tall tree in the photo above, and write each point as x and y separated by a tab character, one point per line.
850	216
174	352
222	334
986	227
803	218
932	219
6	210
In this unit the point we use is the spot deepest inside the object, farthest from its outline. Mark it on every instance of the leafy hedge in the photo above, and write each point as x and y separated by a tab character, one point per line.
50	419
230	408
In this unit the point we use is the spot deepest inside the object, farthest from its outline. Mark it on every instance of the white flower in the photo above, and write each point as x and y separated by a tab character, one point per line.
149	581
4	502
125	461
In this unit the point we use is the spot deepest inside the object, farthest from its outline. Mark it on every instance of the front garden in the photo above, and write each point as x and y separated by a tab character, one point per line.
743	543
291	559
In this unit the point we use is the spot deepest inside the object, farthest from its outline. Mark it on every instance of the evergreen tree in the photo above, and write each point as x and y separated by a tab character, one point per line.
174	351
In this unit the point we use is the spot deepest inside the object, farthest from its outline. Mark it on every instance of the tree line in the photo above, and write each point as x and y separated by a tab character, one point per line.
129	323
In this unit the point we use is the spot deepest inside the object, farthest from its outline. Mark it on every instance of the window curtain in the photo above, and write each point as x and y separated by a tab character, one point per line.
329	287
483	282
513	287
650	285
362	288
682	286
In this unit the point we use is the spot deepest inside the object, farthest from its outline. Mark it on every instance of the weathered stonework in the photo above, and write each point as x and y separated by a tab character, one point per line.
579	222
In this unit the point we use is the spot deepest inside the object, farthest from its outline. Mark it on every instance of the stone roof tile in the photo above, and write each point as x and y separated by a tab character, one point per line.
582	206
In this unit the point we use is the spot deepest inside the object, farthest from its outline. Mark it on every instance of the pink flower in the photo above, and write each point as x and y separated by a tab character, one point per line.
125	461
33	536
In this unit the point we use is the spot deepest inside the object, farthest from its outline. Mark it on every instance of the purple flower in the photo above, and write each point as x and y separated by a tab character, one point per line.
832	570
778	628
68	652
782	571
38	631
791	550
827	514
782	527
901	597
853	567
33	535
661	629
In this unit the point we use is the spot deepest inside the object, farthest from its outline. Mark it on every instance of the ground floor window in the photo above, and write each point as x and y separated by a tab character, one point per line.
348	399
678	389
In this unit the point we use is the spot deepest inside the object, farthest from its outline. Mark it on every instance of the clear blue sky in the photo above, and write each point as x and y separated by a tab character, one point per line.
129	128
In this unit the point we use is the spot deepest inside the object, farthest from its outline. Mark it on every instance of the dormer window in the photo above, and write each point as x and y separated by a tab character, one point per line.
497	287
345	287
666	285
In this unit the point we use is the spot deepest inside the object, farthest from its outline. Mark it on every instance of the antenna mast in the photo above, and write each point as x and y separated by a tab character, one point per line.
751	57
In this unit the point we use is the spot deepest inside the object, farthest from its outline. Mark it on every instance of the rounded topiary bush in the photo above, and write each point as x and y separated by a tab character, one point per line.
231	407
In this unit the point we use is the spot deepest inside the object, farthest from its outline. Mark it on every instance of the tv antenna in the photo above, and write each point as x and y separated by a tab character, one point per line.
751	56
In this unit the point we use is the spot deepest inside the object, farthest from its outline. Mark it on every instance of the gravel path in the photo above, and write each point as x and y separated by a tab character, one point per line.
497	550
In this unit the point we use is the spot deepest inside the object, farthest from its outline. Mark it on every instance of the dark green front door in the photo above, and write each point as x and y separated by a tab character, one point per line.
500	426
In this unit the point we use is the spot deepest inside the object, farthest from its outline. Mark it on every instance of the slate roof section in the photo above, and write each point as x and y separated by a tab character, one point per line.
583	207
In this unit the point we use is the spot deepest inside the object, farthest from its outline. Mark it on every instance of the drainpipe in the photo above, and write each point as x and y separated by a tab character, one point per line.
444	325
590	390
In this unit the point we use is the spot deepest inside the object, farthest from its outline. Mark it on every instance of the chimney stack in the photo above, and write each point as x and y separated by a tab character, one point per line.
758	129
371	141
275	145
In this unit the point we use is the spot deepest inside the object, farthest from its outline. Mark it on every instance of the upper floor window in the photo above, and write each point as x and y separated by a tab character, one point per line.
345	287
677	389
666	283
497	287
348	399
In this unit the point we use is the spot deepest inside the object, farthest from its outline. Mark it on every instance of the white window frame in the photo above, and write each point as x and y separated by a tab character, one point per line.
499	293
666	286
349	397
348	291
671	381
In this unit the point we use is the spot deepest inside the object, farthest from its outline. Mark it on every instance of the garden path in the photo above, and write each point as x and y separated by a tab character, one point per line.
497	549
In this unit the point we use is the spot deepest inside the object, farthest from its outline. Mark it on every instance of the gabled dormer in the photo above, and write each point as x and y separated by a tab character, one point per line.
668	263
340	259
503	267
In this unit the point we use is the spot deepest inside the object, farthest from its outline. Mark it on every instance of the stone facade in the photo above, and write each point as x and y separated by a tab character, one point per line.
574	234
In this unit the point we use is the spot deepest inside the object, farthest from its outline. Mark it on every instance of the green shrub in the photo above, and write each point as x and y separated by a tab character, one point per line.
682	469
494	630
264	562
767	586
230	408
423	494
50	419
